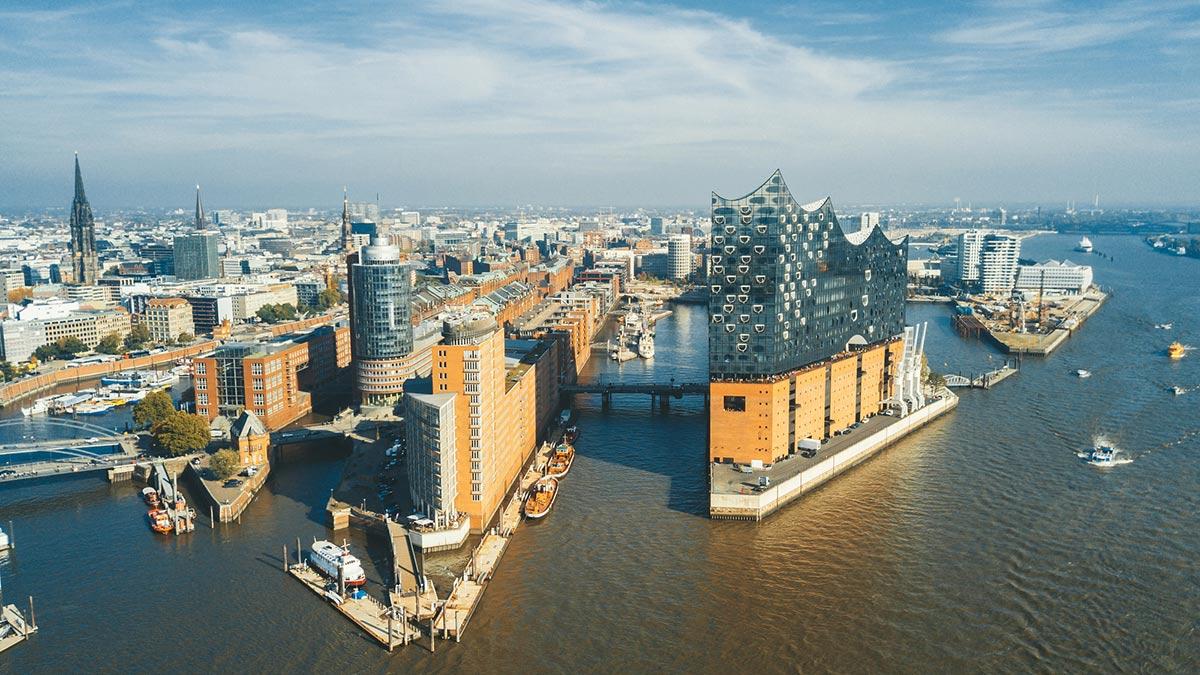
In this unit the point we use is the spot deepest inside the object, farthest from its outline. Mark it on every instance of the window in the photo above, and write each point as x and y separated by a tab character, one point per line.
735	403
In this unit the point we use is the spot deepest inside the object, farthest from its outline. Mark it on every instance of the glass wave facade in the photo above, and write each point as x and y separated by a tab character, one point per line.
788	288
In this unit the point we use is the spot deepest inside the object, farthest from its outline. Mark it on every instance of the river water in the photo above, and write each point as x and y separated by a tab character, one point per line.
980	543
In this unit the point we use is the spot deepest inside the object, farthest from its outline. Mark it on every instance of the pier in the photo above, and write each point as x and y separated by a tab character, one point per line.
14	629
984	381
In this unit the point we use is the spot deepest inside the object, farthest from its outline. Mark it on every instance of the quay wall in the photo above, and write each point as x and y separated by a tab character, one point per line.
229	511
13	391
758	506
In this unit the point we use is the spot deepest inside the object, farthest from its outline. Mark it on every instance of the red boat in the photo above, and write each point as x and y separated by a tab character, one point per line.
160	521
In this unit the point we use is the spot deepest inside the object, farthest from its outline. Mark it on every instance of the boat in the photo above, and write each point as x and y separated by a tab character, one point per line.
541	497
1081	373
1176	350
160	521
150	495
646	345
139	379
1164	326
92	408
5	542
1085	245
1104	456
561	461
328	558
565	415
1178	390
571	434
39	407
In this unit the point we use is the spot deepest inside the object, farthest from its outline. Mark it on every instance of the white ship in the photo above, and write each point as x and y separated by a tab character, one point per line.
327	557
1085	245
646	345
39	407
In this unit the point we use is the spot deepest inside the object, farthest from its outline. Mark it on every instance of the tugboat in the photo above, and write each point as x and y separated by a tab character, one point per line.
327	557
160	521
1176	350
560	462
541	497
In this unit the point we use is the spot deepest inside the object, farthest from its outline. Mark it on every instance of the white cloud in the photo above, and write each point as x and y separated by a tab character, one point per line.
483	100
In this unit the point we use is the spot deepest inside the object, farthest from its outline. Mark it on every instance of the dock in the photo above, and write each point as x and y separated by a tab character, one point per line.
387	626
14	629
468	589
411	589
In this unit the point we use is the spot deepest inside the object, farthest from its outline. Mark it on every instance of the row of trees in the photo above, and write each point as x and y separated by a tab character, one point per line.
289	312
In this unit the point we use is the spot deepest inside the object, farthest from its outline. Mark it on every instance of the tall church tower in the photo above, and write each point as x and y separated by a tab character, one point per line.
84	263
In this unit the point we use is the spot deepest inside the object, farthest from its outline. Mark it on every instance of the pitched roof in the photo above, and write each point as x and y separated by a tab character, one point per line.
248	424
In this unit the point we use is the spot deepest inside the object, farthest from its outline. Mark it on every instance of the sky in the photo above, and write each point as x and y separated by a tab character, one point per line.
515	102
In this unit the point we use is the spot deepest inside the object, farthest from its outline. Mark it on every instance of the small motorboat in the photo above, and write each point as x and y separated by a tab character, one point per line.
1176	350
1081	373
541	497
565	416
150	495
571	434
1178	390
1103	456
1164	326
560	462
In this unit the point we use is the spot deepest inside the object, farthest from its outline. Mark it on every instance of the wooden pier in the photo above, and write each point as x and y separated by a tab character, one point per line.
14	629
390	627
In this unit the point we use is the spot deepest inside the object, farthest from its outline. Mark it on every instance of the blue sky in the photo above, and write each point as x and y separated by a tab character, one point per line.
509	102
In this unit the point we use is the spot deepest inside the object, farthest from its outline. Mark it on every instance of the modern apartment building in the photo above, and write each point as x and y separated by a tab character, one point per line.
986	261
679	256
805	323
476	420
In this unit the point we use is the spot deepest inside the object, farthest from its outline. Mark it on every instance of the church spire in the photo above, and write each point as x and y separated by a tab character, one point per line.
199	211
84	261
79	196
347	234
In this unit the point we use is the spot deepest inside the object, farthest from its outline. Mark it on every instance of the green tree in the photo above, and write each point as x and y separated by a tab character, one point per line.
138	336
267	313
8	370
180	434
110	344
46	353
156	407
70	346
286	311
329	297
185	338
225	463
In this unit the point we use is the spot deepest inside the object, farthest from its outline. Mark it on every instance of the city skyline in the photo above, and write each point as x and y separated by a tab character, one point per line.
488	103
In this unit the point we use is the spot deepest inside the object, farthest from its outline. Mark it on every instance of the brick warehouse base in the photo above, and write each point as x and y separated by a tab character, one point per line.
732	497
